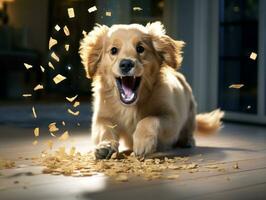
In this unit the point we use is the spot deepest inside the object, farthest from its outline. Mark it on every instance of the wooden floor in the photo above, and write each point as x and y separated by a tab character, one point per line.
242	144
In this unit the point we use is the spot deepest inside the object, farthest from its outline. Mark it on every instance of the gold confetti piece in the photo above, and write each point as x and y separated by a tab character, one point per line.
27	66
57	27
253	56
26	95
52	134
108	13
236	166
35	142
58	78
36	132
38	87
66	31
71	12
42	68
77	103
84	33
67	47
137	8
52	127
72	151
172	176
122	178
50	65
34	112
236	86
64	136
92	9
71	99
52	42
54	56
50	144
212	166
112	126
63	123
72	112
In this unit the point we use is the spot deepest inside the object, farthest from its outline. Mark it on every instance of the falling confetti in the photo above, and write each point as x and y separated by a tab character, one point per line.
52	127
34	112
236	86
71	99
52	42
57	27
51	65
42	68
38	87
84	33
67	47
54	56
27	95
71	12
64	136
76	104
66	31
27	66
36	132
137	8
72	112
63	123
35	142
58	78
253	56
108	13
52	134
92	9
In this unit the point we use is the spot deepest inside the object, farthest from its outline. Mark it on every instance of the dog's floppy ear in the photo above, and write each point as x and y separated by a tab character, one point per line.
91	49
169	50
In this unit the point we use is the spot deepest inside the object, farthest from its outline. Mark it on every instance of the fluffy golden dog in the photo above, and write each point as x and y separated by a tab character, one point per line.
138	94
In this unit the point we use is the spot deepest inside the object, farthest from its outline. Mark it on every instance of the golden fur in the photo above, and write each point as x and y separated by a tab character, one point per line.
164	114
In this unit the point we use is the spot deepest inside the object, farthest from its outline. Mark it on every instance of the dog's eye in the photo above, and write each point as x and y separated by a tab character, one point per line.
114	50
140	49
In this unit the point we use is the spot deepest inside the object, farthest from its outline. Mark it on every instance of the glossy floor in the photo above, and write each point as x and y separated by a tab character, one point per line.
241	144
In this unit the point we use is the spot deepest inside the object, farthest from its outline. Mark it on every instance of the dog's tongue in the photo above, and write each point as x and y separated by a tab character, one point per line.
128	84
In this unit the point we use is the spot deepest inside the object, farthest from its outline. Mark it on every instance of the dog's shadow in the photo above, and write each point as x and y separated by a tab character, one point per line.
215	153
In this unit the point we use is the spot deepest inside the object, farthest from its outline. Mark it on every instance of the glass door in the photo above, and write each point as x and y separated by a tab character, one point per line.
241	70
238	73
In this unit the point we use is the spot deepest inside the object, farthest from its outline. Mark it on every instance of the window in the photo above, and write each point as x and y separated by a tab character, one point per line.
238	37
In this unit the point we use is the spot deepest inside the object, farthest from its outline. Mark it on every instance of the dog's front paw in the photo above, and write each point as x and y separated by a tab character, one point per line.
144	144
105	149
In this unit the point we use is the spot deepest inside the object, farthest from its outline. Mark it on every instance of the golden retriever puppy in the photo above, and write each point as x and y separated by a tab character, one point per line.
138	94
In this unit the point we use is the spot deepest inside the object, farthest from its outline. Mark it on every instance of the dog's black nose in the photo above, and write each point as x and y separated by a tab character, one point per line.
126	65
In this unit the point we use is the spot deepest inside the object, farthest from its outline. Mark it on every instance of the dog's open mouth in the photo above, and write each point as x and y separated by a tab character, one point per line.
128	88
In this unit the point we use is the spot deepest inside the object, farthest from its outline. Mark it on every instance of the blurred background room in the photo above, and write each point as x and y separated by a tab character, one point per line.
220	36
